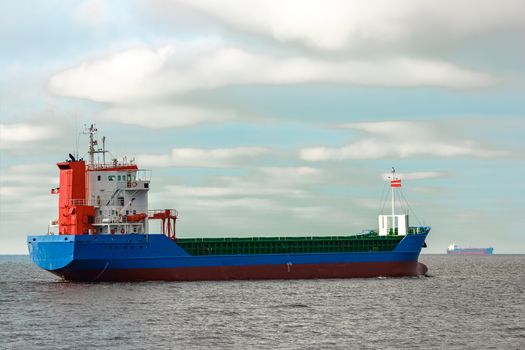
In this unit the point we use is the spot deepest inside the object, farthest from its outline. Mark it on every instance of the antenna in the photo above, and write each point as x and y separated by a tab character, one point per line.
91	131
103	149
92	142
78	135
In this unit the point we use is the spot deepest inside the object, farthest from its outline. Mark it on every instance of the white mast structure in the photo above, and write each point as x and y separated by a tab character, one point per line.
393	224
393	200
92	131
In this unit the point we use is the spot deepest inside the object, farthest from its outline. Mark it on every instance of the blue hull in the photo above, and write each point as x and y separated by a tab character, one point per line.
135	257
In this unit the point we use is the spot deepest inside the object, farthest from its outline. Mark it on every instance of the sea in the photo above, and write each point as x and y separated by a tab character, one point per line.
464	302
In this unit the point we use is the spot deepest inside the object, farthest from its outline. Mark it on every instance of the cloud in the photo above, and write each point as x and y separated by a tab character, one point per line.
279	176
145	74
290	171
264	181
276	191
342	24
396	139
47	175
419	175
27	186
165	116
13	136
118	77
243	203
201	157
241	189
92	12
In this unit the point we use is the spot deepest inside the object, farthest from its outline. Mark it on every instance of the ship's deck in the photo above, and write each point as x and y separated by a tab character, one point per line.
369	242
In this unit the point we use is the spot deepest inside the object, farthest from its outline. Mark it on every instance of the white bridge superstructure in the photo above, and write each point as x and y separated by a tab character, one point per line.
119	194
106	197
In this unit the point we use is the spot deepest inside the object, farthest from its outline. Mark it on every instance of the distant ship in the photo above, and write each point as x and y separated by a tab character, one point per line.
103	235
454	249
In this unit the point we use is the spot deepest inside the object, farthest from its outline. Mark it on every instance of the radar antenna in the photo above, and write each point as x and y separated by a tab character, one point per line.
92	131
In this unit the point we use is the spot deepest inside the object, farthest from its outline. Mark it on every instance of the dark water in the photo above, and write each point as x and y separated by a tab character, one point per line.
465	303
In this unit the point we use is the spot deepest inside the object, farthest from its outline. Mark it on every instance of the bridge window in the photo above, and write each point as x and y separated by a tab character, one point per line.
98	178
111	177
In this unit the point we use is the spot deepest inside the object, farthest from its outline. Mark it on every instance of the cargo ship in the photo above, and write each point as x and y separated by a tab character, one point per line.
102	233
454	249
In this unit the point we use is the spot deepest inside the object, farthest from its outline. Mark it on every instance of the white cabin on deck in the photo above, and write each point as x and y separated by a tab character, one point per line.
393	224
119	193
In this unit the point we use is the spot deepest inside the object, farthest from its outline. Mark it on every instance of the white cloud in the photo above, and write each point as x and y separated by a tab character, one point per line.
342	24
240	189
293	172
148	74
264	181
92	12
202	157
322	24
44	174
290	176
313	213
121	76
248	203
26	187
165	116
400	140
418	175
13	136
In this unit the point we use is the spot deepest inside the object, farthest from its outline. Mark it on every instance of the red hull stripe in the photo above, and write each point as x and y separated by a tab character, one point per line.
254	272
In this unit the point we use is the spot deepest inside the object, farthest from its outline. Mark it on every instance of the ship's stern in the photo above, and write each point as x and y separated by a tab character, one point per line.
51	252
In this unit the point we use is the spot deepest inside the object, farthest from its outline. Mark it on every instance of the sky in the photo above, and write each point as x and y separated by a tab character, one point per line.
267	117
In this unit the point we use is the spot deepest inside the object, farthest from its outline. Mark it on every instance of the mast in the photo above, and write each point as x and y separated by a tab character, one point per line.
103	149
392	224
92	142
91	131
393	202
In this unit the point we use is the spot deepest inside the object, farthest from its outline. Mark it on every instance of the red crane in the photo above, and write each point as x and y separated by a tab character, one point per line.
168	217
